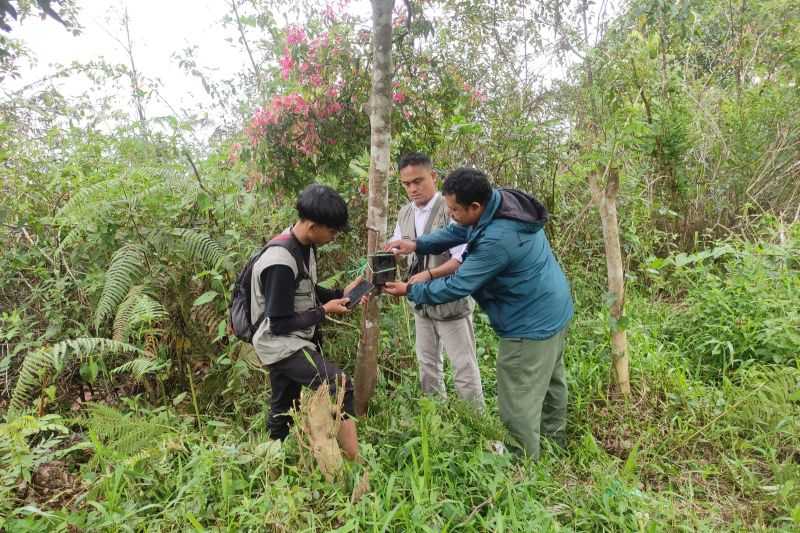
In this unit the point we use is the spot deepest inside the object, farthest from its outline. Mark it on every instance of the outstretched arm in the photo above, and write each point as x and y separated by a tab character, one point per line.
479	267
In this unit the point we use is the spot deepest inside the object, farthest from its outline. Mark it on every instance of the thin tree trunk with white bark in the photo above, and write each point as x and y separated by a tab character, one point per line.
606	201
380	120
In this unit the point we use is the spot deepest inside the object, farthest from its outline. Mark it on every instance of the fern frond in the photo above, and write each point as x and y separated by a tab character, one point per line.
138	308
126	266
207	318
121	436
201	246
21	454
173	183
122	320
91	198
140	367
147	311
44	361
69	239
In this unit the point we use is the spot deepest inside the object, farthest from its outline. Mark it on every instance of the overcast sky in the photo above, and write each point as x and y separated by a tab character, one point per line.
159	29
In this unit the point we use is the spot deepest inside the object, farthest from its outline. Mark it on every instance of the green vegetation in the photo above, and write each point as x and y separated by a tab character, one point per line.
127	406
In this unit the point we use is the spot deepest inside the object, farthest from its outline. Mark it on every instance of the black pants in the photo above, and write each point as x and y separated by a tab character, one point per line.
305	368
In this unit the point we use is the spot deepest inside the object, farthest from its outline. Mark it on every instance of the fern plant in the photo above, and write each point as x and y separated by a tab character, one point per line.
25	443
126	267
200	245
118	436
141	367
138	309
50	362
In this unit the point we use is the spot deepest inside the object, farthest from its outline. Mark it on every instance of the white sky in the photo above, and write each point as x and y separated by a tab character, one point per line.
159	28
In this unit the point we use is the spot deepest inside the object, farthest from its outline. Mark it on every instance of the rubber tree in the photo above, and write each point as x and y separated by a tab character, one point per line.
380	136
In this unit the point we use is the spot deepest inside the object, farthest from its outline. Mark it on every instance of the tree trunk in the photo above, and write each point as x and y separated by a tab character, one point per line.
380	120
136	91
606	202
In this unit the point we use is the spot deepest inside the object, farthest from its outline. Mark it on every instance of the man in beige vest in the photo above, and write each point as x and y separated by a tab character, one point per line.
449	325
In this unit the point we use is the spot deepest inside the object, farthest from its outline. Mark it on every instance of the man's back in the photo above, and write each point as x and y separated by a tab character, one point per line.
509	269
530	296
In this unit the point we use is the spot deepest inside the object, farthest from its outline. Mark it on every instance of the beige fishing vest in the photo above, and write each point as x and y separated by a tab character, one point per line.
273	348
438	219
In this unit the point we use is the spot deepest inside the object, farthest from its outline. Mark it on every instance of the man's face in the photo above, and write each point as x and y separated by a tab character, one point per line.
321	234
419	181
466	215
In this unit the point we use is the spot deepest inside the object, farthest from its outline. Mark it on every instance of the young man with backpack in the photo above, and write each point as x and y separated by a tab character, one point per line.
511	271
289	306
447	325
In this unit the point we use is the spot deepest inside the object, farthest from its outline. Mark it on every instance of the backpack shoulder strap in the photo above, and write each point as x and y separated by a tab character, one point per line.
290	244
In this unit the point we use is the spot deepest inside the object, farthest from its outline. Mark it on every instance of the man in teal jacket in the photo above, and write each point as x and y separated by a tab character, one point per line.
512	273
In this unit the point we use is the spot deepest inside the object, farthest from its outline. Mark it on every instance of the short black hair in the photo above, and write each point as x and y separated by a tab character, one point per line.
413	159
468	185
321	204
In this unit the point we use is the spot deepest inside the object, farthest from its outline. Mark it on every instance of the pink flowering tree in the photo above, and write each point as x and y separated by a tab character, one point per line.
317	121
314	123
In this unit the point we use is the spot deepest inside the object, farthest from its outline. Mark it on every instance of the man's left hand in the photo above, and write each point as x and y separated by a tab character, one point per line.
421	277
396	288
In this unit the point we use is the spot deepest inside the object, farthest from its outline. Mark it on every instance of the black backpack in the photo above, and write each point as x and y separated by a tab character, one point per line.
243	325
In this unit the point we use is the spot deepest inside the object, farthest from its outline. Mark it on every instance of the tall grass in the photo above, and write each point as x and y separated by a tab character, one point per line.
684	453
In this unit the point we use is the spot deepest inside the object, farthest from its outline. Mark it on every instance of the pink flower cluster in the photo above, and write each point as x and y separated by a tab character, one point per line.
295	35
287	64
474	94
293	122
304	116
312	62
264	117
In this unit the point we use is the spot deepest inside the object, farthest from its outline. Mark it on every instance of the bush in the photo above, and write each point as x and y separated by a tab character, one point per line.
740	305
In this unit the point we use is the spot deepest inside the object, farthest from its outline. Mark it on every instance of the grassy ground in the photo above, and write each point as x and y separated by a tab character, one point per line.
690	450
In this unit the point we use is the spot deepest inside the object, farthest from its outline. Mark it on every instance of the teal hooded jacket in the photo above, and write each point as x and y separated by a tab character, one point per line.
508	268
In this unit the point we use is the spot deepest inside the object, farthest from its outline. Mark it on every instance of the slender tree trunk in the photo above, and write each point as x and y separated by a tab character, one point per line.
380	121
136	90
606	201
256	71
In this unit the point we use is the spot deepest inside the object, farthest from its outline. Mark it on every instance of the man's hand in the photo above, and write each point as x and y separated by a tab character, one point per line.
396	288
336	306
421	277
402	247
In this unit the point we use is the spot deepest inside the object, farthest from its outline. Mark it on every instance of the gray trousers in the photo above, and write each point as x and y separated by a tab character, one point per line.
457	337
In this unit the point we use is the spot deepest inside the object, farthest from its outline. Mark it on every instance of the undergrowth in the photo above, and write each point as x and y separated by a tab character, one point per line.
699	445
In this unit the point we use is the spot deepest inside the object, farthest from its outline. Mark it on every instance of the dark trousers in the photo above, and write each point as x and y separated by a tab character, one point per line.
304	368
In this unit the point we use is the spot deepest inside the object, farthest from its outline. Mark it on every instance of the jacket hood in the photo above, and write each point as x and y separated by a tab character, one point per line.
514	205
521	206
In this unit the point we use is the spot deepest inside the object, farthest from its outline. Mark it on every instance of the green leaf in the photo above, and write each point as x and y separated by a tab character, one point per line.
89	370
796	514
205	298
222	329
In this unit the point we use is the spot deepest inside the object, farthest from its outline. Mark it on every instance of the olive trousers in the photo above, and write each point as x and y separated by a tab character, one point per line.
532	390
